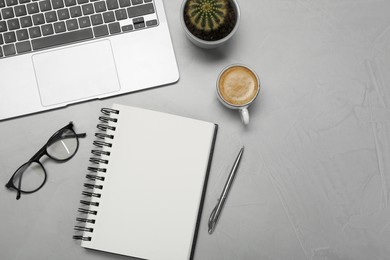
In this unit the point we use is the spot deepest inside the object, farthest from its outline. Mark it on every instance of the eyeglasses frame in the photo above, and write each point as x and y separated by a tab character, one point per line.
38	156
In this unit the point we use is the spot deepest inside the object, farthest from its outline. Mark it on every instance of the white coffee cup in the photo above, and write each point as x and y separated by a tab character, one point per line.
237	88
209	44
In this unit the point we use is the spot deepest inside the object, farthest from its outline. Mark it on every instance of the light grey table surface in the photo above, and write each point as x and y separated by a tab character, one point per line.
314	182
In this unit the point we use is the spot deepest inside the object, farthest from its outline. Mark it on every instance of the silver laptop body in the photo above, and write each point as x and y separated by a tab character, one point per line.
98	56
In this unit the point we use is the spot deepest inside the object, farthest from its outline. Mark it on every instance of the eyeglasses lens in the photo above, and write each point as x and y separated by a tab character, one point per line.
32	176
63	145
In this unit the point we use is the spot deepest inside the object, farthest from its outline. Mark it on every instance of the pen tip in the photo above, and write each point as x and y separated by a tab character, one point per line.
211	227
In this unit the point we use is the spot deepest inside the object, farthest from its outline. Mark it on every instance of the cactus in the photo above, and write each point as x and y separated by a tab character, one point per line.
209	20
207	14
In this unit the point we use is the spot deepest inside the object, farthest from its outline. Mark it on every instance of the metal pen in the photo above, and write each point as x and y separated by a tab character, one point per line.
218	208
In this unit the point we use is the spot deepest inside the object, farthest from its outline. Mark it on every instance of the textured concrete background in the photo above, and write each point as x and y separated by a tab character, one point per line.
314	181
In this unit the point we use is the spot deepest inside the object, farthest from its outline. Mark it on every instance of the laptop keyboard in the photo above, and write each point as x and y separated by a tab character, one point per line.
31	25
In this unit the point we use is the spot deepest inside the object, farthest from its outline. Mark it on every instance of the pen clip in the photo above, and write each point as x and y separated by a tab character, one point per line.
212	219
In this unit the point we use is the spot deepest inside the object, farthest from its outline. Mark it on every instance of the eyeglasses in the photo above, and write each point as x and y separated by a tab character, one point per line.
61	146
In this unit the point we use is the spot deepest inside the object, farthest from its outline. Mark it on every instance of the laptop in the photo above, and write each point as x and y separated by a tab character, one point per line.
58	52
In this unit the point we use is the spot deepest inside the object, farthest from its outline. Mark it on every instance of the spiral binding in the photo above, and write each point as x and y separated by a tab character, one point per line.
100	152
94	186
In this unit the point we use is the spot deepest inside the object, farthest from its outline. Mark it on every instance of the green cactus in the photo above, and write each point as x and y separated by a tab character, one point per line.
207	15
209	20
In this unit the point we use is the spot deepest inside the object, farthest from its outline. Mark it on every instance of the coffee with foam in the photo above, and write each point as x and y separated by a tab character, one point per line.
238	86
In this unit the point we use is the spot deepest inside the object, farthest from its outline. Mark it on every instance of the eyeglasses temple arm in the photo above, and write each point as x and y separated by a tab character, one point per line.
19	185
56	138
82	135
9	185
18	194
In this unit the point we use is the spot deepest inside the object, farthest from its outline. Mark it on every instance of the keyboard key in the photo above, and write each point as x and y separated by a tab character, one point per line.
121	14
139	25
87	9
112	4
38	19
2	3
59	27
22	34
13	24
51	16
32	8
84	22
147	1
45	5
9	50
23	1
64	38
80	2
47	29
140	10
75	11
23	46
108	17
151	23
57	4
127	27
9	37
100	6
96	19
3	26
20	10
11	2
8	13
26	21
138	20
34	32
101	30
72	24
70	2
114	28
136	2
63	14
124	3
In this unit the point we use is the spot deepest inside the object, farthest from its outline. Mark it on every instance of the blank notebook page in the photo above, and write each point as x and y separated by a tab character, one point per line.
153	185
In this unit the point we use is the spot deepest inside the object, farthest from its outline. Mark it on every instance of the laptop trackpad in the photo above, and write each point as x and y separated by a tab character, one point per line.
76	73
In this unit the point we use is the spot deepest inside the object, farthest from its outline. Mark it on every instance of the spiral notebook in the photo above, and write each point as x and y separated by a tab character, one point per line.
146	184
